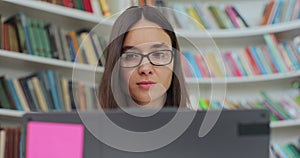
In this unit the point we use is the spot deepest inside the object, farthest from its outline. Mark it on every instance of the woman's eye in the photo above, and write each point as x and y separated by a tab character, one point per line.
159	54
129	56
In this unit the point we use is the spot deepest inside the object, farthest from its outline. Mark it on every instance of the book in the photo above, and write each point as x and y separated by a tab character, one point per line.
4	101
286	58
191	60
21	95
45	88
254	53
78	4
271	59
186	66
201	65
69	3
239	16
213	65
289	11
182	16
263	59
66	92
63	40
224	16
5	43
12	38
29	95
54	90
105	8
233	17
246	63
87	6
215	12
278	12
50	30
233	64
32	37
272	44
239	63
14	95
291	55
204	17
89	50
267	14
1	31
255	69
192	12
2	142
39	93
98	48
44	36
28	43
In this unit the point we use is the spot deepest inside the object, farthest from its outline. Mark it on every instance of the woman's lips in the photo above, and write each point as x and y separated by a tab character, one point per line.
146	84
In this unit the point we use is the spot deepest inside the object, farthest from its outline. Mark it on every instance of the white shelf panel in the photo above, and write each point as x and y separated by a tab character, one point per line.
11	113
61	10
247	79
243	32
286	123
14	57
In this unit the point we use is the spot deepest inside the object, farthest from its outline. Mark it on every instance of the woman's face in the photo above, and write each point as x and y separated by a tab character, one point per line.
147	83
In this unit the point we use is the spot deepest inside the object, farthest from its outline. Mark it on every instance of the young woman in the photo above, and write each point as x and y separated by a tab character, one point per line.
143	65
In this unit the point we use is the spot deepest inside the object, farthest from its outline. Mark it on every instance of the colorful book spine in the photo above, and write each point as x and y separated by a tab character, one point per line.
273	48
202	15
215	12
186	66
105	8
14	94
254	54
193	63
54	90
201	65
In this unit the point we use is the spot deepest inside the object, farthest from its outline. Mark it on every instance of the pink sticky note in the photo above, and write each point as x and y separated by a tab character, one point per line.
54	140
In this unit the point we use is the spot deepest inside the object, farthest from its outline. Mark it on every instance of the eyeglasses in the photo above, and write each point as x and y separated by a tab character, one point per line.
157	58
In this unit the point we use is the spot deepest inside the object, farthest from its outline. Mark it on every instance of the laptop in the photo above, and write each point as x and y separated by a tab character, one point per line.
115	133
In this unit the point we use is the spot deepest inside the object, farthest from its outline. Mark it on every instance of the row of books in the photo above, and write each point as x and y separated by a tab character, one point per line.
274	57
285	108
207	16
98	7
277	11
10	141
33	36
46	91
287	150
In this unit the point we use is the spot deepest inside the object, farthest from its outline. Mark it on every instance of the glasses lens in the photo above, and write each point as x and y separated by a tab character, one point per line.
130	59
161	57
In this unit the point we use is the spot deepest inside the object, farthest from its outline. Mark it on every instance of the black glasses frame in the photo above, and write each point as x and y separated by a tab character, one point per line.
147	56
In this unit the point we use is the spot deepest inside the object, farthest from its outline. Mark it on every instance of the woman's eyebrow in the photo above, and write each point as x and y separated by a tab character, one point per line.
160	45
125	48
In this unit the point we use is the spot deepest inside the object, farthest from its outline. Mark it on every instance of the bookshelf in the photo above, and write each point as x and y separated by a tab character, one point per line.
234	39
13	63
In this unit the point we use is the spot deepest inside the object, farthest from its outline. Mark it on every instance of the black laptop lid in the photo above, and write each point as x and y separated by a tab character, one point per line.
237	133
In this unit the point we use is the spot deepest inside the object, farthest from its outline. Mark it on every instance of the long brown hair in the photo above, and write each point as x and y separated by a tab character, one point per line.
176	94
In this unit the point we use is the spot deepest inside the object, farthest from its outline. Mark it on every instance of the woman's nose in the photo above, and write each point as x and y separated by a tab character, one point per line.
146	68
